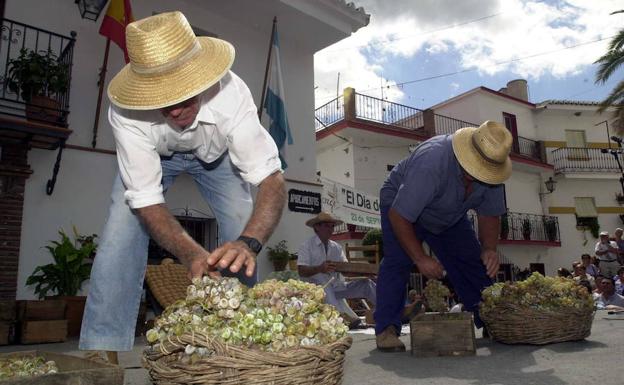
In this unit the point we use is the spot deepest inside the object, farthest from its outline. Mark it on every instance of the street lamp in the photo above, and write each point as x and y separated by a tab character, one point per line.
550	186
90	9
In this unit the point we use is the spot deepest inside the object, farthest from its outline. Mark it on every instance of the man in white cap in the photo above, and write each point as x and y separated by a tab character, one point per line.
316	263
425	199
177	108
607	252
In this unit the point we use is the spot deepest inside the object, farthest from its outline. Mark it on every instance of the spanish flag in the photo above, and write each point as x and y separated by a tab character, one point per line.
118	16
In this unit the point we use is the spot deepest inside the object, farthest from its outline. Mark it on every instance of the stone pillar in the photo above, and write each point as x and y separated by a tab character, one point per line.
349	103
429	122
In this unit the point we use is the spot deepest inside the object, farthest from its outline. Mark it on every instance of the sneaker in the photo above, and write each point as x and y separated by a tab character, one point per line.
388	341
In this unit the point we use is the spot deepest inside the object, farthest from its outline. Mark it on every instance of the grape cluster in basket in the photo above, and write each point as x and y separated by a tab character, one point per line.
436	295
25	367
538	292
272	315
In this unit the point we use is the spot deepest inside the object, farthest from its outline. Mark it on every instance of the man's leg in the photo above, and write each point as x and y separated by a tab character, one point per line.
229	197
331	298
360	288
116	280
459	252
392	279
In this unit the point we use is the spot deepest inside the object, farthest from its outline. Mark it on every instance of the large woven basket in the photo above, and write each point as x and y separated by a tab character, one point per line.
513	324
312	365
167	281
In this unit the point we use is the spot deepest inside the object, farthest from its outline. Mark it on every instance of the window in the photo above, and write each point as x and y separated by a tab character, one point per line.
586	213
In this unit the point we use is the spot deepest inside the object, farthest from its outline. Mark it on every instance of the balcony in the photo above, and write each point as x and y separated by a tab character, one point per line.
525	229
347	231
423	124
25	117
582	160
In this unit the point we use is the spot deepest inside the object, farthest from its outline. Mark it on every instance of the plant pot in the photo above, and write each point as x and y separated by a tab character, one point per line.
73	312
280	265
292	265
43	109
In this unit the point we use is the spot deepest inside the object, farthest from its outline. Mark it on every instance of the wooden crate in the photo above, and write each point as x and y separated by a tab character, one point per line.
7	310
443	334
7	332
35	332
72	370
50	309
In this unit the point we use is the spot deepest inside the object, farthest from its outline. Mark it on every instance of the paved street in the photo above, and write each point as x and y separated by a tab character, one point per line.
597	360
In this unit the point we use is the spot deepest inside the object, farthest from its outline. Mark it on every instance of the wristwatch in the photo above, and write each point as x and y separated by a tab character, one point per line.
252	243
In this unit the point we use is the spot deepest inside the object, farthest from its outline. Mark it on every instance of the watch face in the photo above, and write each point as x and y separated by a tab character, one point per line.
252	243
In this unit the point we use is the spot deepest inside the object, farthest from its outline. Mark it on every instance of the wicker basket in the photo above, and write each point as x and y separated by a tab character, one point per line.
513	324
313	365
167	281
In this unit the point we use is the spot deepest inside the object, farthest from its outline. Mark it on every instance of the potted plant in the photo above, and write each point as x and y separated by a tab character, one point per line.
550	228
526	228
38	78
279	255
292	262
504	226
373	237
64	277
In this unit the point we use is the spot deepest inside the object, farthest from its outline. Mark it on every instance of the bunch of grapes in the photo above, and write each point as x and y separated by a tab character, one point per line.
539	292
26	367
273	315
436	295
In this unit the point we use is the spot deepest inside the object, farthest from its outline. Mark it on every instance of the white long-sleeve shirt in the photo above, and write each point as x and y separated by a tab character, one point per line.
312	253
227	121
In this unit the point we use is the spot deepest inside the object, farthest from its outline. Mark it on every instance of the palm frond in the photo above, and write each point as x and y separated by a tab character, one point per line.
616	97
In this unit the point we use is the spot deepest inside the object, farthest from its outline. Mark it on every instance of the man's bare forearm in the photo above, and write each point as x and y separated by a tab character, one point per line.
268	208
489	228
168	233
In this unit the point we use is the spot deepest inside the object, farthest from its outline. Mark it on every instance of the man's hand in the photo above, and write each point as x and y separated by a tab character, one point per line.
430	267
234	255
327	267
490	260
199	266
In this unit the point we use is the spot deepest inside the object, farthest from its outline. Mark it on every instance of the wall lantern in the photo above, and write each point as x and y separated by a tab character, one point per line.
550	186
90	9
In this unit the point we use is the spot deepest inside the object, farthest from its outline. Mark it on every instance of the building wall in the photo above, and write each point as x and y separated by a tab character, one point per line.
82	191
335	163
371	166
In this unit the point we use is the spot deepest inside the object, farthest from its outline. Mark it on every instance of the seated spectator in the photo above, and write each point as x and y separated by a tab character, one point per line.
620	243
564	273
585	283
609	299
413	307
580	274
608	253
590	268
619	281
598	289
316	264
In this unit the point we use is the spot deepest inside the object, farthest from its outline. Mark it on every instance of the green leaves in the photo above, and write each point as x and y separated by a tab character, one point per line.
70	269
37	73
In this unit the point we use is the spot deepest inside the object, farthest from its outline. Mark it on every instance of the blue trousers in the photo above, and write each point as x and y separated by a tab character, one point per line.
459	251
119	267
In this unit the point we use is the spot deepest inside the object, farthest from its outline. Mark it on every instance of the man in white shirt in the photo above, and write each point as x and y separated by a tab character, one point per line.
316	263
177	108
607	252
609	299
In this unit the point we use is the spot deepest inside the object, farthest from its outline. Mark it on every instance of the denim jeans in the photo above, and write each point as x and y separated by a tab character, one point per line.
116	281
457	249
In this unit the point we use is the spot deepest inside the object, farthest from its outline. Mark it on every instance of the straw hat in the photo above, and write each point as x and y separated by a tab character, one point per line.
484	151
168	63
322	217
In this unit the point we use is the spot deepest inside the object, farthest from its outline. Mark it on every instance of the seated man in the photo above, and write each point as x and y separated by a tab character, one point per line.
315	262
609	299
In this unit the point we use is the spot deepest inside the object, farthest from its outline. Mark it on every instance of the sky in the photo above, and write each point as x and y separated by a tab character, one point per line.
421	52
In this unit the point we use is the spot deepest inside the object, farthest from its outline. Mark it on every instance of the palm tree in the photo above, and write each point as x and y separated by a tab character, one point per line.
609	63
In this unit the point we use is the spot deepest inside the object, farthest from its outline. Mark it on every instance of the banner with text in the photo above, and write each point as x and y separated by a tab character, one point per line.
350	205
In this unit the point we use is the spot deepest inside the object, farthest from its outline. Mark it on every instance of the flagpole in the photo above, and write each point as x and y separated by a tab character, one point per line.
266	71
101	81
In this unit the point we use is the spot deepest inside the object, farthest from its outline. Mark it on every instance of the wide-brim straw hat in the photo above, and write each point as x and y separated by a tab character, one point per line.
168	63
323	217
483	152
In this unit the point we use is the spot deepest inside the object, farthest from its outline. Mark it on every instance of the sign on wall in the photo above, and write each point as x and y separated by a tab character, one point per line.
304	201
350	205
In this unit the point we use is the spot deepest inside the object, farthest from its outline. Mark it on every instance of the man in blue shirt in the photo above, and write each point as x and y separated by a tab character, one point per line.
425	199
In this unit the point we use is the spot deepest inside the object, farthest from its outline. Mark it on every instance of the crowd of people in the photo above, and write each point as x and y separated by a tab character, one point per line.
603	273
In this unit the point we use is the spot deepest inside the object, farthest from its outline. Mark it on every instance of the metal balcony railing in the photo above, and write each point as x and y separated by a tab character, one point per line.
329	113
525	227
527	147
382	111
445	125
15	38
346	228
579	159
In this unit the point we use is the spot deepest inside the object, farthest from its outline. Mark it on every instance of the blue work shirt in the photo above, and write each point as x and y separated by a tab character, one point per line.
428	188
